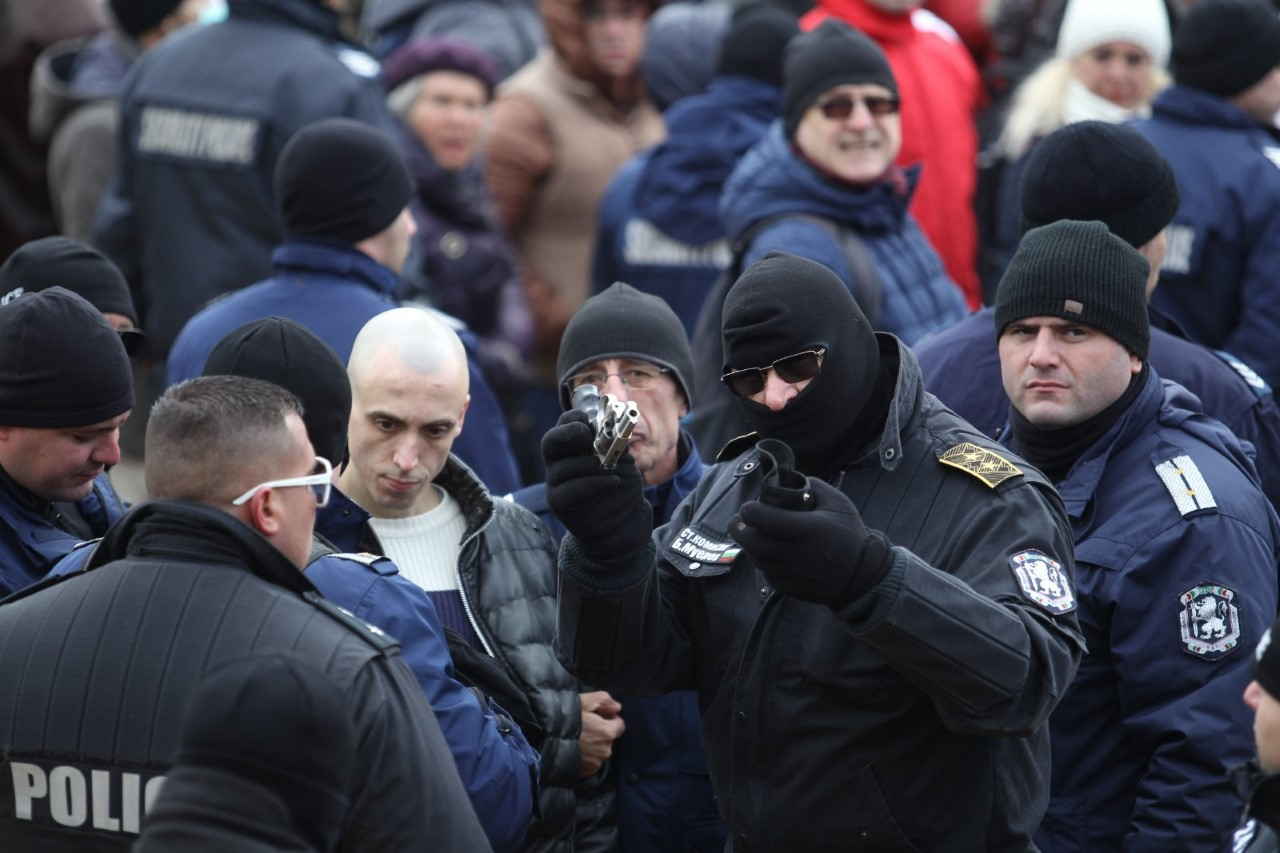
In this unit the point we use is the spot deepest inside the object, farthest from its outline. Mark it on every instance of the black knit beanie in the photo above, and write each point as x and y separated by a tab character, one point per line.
280	723
61	363
62	262
1266	661
1226	46
1078	271
622	322
756	42
136	17
1096	170
832	55
784	304
341	180
287	353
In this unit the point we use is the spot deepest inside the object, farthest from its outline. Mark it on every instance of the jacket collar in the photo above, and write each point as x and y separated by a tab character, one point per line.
318	257
193	533
666	496
1184	104
304	14
1081	482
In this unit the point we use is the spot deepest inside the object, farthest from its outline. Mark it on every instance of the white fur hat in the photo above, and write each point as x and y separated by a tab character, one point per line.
1089	23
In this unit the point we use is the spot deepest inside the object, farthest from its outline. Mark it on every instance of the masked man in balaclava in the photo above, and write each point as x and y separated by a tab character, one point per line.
873	600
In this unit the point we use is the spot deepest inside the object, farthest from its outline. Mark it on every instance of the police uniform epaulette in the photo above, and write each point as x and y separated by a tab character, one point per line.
1256	383
734	447
383	565
371	634
985	464
1186	485
357	61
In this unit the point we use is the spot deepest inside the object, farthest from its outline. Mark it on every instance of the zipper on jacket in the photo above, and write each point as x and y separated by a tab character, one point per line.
462	589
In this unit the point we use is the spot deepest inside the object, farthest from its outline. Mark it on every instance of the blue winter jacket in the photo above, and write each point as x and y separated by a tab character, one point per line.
334	290
1176	550
917	296
1218	278
660	227
204	116
961	367
498	767
665	800
32	538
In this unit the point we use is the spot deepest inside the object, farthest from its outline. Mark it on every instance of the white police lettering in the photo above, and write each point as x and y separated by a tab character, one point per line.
1181	240
108	800
12	295
698	547
644	244
198	136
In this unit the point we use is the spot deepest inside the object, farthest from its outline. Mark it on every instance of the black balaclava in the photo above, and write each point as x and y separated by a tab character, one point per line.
784	304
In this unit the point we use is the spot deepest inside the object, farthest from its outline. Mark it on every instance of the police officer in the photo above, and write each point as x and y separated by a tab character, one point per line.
850	590
65	390
1175	543
1258	781
206	572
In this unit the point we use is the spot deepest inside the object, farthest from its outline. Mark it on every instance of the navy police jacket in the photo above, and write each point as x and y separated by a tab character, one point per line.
334	290
498	767
660	228
33	537
915	719
961	366
204	116
665	799
1176	551
1218	277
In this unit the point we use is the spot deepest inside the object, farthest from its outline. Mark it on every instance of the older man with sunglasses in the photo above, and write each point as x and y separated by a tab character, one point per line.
874	601
822	184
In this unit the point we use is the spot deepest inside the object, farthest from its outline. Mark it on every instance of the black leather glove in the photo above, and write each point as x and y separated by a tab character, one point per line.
605	511
824	555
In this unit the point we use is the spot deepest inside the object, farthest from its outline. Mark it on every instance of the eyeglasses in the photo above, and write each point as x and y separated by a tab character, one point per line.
635	378
790	368
320	482
840	107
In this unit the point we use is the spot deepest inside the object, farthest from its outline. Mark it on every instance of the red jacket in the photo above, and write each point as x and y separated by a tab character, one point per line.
941	92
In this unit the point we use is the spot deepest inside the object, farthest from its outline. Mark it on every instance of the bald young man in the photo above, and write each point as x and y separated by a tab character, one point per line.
489	566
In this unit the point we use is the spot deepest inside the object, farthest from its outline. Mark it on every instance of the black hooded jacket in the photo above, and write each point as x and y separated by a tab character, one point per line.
99	666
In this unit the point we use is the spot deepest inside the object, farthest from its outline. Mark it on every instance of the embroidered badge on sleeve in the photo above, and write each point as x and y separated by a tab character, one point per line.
1042	580
987	465
1209	620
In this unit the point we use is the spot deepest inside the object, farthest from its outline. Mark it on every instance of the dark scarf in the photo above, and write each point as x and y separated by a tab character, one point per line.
456	197
1054	451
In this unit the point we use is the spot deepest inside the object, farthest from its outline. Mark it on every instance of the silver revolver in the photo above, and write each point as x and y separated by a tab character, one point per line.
612	419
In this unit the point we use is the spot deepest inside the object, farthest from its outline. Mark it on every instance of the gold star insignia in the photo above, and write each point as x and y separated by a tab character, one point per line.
987	465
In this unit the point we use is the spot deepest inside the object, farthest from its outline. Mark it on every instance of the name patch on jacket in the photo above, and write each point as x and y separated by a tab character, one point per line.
696	552
207	137
77	796
987	465
1042	580
1209	620
1186	485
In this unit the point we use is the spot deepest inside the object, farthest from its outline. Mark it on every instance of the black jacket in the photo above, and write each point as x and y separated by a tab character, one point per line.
506	574
204	117
98	667
915	719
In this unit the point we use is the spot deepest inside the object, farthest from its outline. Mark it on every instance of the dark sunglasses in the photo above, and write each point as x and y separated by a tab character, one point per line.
790	368
841	107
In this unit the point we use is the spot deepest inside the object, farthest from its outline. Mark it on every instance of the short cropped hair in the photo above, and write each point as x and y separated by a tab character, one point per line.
210	438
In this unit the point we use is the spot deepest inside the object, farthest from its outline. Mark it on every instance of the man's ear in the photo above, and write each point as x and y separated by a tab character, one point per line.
462	416
264	512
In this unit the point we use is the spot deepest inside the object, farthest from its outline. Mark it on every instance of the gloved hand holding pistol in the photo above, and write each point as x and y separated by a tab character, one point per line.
807	536
605	510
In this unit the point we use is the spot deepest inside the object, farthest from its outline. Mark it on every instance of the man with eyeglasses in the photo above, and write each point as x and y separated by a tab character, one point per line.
823	184
66	388
487	564
873	601
207	572
633	346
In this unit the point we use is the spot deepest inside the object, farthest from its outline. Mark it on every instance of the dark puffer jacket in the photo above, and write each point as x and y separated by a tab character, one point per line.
507	577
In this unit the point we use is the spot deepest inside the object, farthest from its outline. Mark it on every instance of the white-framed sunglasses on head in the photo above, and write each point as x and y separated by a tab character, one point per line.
320	481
